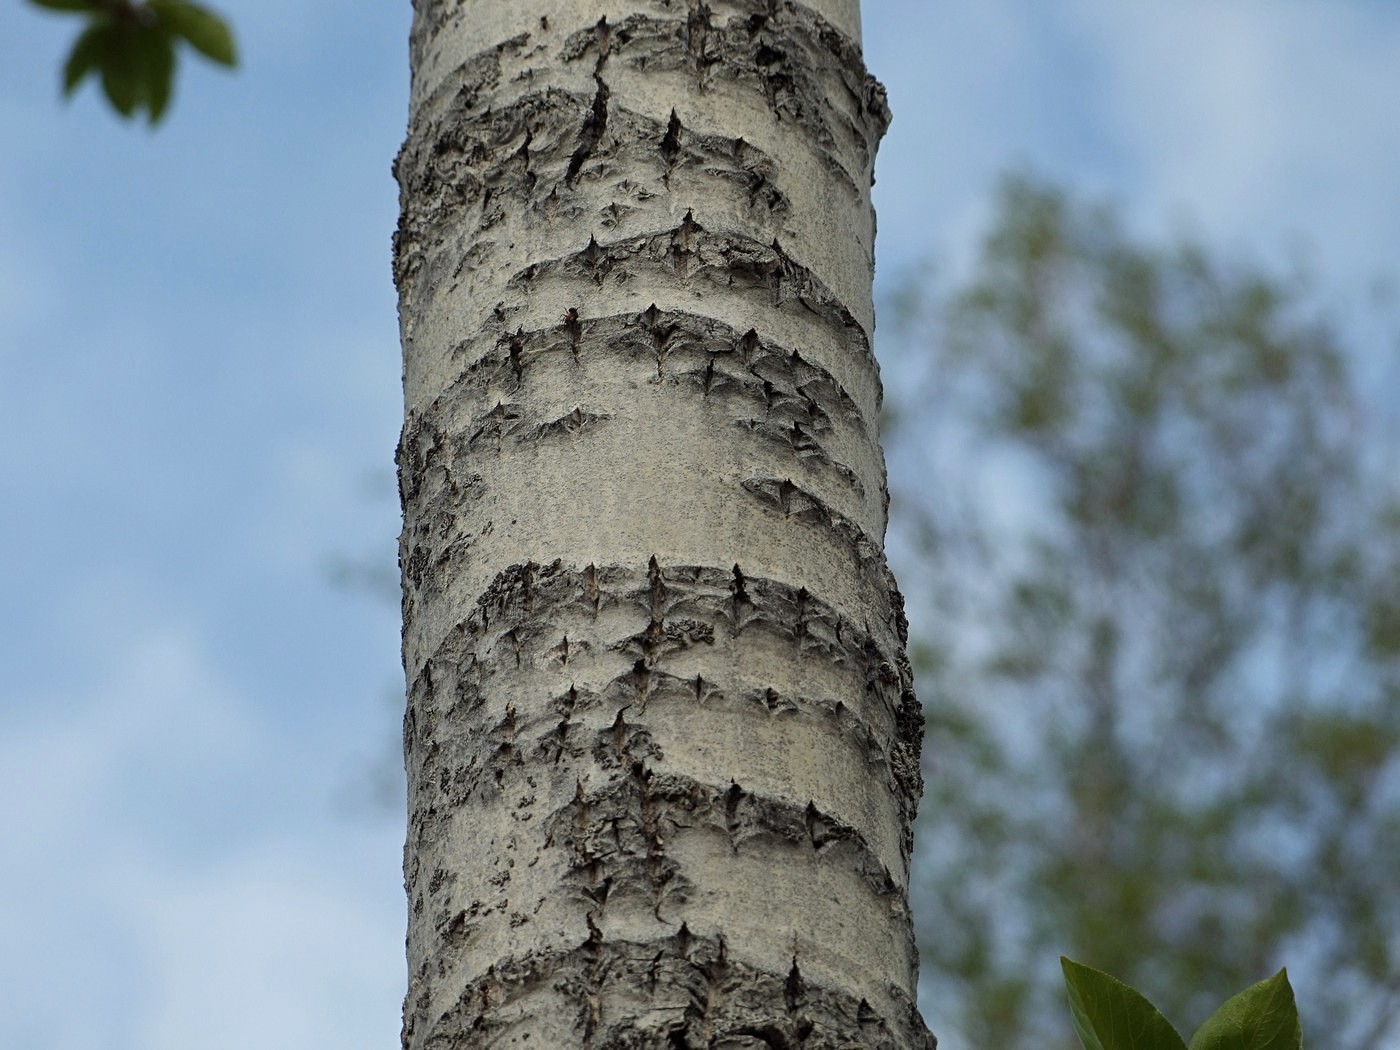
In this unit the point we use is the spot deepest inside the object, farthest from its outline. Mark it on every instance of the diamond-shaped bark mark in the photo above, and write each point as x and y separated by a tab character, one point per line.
560	652
741	607
671	145
573	327
732	798
524	154
749	347
565	706
515	345
574	423
697	31
597	260
496	424
590	586
791	500
682	244
661	336
707	381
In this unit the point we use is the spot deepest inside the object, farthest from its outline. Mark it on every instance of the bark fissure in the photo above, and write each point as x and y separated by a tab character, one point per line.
770	390
595	124
695	997
696	607
622	834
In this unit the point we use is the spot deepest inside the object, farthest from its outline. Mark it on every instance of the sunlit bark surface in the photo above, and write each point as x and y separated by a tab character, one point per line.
661	740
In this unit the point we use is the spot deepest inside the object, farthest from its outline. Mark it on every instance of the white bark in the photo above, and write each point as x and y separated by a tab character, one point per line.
661	741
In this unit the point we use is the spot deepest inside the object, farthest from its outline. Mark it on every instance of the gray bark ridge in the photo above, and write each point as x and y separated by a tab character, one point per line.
661	737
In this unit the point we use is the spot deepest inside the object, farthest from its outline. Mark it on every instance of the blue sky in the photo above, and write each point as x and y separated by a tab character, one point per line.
199	400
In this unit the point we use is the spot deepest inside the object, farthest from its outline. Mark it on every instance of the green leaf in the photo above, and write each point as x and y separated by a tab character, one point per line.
1262	1017
136	63
205	31
1108	1015
89	52
135	58
121	69
155	60
66	5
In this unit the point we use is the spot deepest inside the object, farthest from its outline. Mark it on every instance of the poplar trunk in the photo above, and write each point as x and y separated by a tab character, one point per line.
661	741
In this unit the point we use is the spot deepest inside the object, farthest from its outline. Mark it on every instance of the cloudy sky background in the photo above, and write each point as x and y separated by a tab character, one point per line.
199	399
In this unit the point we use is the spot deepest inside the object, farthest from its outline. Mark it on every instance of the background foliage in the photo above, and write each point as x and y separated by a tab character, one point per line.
1159	571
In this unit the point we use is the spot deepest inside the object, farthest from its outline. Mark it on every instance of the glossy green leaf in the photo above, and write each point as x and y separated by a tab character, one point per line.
1109	1015
66	5
1262	1017
89	52
205	31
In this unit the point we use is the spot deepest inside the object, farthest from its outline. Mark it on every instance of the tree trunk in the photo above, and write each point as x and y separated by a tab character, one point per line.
662	746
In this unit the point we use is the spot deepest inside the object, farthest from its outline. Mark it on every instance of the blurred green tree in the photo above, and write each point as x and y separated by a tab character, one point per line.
1158	566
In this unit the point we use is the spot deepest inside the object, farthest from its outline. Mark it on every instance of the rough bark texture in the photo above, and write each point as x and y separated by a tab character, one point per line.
661	741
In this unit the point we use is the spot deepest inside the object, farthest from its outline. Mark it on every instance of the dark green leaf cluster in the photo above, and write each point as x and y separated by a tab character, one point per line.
131	48
1109	1015
1161	582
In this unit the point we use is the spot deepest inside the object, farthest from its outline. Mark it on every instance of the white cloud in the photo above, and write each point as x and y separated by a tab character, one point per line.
150	706
1261	121
153	894
1262	125
278	950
